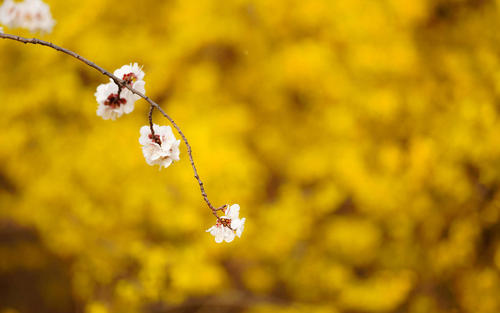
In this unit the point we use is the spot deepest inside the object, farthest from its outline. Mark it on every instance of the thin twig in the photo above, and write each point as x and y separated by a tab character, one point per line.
154	136
150	119
121	84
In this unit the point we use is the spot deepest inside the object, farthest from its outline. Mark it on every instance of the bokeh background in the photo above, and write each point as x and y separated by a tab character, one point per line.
361	139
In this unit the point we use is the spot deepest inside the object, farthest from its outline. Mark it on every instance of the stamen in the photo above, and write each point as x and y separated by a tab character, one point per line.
155	138
226	222
114	101
129	78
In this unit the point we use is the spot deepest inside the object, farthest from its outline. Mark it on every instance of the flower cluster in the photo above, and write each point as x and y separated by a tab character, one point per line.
159	145
114	101
229	225
160	148
31	14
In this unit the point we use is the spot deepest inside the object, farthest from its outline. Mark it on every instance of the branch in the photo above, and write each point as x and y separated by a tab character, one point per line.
122	84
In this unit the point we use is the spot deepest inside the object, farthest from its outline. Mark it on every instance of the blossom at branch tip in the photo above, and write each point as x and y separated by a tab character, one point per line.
233	213
221	231
31	14
162	148
1	30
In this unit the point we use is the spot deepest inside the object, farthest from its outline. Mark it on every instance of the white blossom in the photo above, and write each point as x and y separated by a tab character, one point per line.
231	218
133	75
162	148
10	13
232	213
1	30
31	14
112	106
221	233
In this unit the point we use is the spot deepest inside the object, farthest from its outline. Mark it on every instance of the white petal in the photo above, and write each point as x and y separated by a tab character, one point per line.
240	228
219	235
233	212
139	86
211	230
144	135
166	162
128	107
236	223
228	235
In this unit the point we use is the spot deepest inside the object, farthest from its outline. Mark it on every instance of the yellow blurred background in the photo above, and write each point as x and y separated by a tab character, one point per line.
361	139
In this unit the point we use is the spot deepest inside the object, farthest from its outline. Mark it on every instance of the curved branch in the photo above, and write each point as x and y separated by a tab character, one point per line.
122	84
